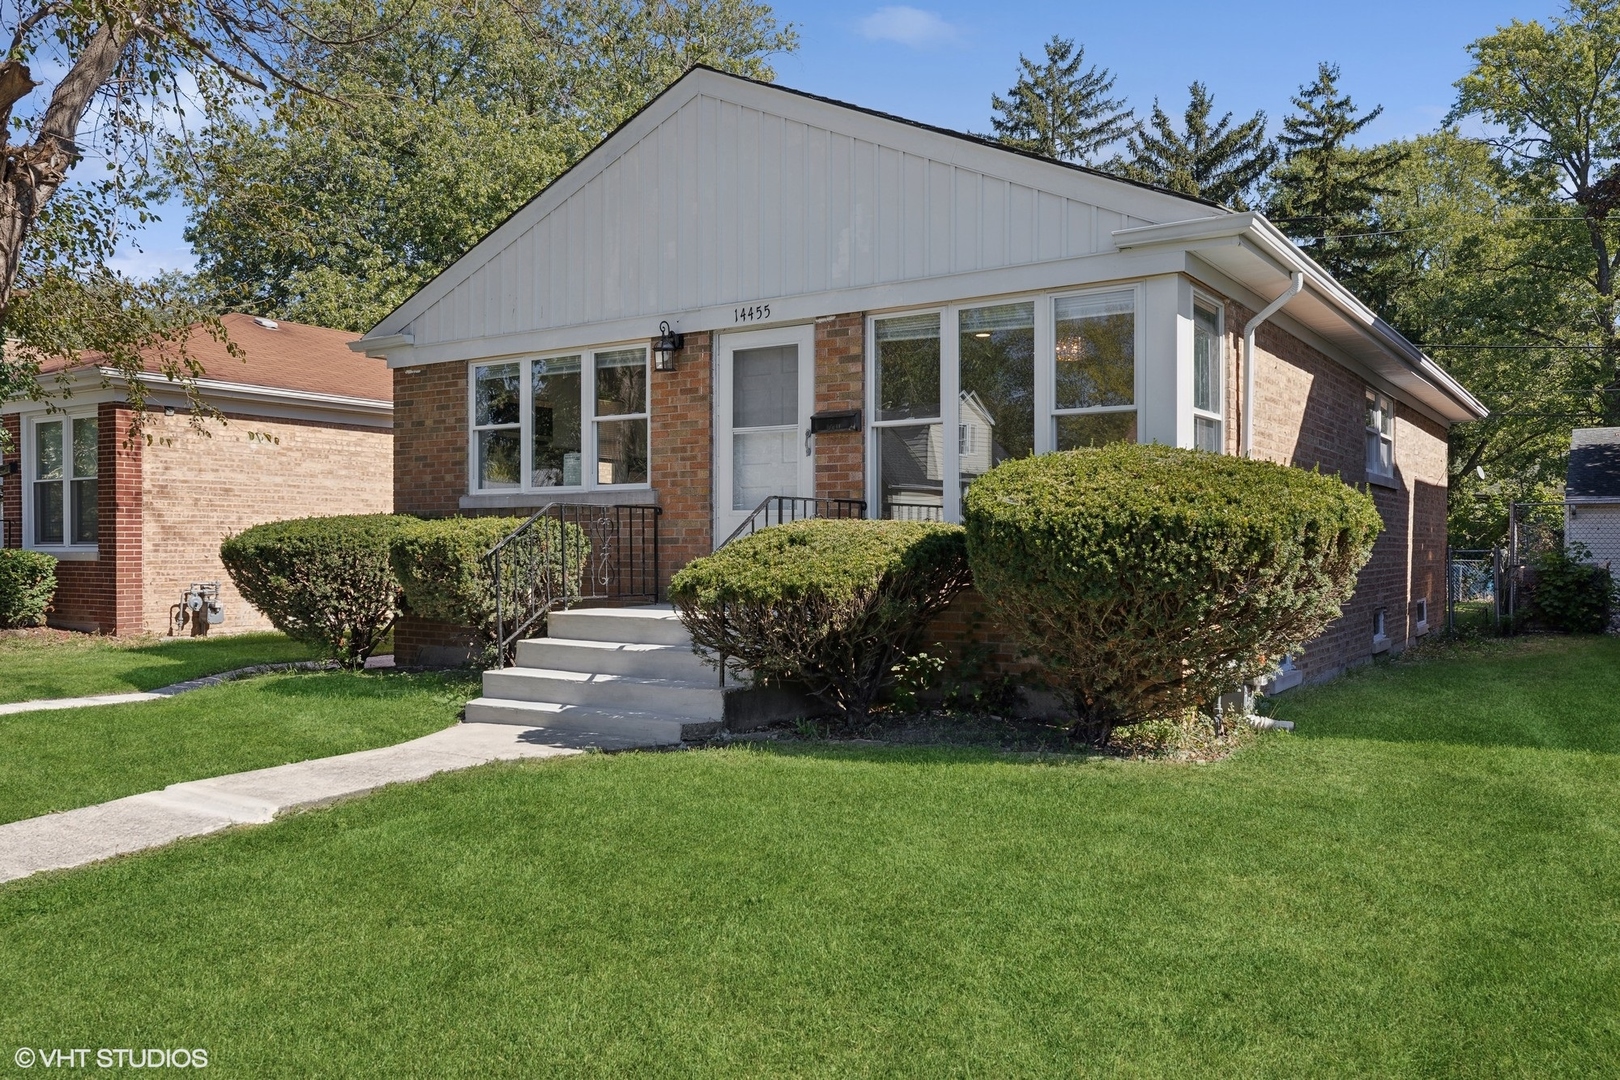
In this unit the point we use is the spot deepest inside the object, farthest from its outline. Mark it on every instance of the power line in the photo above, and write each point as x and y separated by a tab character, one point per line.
1441	345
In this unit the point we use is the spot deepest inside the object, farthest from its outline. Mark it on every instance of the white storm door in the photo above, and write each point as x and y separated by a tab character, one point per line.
765	394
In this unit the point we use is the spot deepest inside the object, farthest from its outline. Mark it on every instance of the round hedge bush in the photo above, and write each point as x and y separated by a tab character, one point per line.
829	603
27	583
1150	580
324	580
441	567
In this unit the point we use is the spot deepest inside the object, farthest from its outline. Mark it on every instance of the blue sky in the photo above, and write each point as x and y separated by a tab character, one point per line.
940	62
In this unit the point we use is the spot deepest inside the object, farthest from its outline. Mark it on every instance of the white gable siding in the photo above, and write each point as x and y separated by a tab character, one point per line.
722	203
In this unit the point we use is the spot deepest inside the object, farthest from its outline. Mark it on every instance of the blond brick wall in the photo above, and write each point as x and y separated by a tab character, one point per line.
198	489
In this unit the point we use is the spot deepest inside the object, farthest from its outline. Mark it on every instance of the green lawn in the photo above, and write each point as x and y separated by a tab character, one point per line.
1423	880
60	759
54	665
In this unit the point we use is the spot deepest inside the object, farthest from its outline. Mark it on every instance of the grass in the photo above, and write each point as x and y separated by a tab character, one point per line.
1423	880
60	759
49	664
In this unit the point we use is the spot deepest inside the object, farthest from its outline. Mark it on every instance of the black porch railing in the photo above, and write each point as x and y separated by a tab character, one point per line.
781	509
568	553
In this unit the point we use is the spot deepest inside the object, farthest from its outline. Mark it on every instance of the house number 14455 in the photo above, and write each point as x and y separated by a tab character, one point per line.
755	313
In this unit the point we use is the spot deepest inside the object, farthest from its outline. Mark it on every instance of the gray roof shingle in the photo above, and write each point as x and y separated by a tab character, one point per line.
1594	463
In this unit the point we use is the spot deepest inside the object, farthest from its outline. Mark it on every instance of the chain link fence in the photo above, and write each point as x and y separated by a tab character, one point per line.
1472	597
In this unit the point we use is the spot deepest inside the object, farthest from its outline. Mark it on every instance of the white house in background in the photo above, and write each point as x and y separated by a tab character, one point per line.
1592	494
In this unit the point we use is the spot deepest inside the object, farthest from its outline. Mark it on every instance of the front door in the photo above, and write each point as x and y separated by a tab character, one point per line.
762	417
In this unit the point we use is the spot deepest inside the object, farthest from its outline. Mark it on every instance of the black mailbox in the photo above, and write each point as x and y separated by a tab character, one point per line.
842	420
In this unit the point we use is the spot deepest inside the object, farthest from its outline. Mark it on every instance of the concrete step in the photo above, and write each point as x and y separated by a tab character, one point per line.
649	625
594	724
615	658
671	697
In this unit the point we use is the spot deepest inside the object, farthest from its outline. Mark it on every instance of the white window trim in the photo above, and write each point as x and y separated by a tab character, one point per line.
1386	404
1050	350
950	389
67	551
588	420
1215	304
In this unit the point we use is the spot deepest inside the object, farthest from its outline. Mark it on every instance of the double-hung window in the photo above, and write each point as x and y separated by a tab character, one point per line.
540	423
1208	362
62	479
1006	379
1380	436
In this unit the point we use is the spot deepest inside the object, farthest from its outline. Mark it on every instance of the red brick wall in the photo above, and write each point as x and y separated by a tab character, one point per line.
1310	411
430	438
841	384
101	595
10	483
120	507
682	451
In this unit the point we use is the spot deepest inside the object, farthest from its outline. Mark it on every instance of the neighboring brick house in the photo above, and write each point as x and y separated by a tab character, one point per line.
969	302
134	522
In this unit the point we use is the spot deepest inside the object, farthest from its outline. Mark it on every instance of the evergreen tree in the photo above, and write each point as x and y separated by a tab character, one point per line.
1059	111
1325	191
1219	162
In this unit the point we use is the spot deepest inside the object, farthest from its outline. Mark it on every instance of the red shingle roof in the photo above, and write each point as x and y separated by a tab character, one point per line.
293	356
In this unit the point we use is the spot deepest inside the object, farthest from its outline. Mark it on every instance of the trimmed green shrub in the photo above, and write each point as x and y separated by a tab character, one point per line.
1150	580
1568	594
440	565
833	604
324	580
27	583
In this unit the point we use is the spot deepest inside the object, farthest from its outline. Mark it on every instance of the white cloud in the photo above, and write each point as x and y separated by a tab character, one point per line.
908	26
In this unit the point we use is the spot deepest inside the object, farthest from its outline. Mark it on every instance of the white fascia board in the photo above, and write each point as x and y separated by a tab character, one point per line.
378	347
1084	272
1592	500
107	385
219	392
1223	284
1265	238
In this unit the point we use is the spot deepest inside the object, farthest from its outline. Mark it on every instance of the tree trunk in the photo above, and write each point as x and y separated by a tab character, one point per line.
32	174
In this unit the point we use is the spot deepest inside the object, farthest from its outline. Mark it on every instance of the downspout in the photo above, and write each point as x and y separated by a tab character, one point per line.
1295	287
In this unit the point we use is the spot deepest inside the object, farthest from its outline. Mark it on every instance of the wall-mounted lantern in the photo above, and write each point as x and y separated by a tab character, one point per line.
666	346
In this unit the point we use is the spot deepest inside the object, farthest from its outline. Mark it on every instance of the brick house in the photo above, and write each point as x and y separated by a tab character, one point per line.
133	523
956	301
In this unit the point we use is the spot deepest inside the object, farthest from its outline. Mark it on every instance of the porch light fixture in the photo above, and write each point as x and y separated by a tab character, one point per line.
664	349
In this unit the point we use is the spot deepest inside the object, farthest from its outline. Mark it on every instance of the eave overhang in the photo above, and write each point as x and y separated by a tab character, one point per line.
1255	253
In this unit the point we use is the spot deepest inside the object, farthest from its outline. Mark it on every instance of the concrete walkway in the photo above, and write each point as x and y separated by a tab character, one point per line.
197	807
40	704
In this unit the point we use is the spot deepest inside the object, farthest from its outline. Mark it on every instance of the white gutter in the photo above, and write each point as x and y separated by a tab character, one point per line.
1266	241
377	347
1295	287
255	392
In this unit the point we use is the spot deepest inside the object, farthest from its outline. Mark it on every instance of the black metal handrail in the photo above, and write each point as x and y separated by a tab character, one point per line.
795	508
566	553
